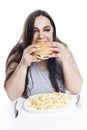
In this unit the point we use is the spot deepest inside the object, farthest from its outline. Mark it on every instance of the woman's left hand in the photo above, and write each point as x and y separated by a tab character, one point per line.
62	51
70	70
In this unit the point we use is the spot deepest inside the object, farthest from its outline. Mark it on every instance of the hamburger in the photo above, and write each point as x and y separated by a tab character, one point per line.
44	52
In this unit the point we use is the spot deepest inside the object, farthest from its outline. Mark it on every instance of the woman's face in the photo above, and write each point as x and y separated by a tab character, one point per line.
43	30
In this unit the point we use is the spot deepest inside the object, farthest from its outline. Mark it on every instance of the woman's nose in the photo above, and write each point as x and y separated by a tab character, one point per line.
41	34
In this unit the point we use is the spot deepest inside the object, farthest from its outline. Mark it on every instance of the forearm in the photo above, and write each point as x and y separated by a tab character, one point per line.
72	77
16	84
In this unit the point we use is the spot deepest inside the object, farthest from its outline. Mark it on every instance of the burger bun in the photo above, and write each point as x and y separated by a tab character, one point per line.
44	52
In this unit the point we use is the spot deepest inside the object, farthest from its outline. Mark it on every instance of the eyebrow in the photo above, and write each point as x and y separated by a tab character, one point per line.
44	27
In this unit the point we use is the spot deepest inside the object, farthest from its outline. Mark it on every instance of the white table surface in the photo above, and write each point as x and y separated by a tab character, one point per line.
76	119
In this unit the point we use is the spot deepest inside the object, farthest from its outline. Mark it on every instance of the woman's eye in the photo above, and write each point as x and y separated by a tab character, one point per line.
35	30
48	29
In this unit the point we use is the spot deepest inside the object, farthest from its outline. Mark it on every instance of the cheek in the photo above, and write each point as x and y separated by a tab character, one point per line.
50	37
34	38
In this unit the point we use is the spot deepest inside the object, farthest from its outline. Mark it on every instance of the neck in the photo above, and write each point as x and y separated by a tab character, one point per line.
42	64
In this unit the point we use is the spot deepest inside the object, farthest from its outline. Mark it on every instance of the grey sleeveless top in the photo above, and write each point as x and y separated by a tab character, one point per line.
39	81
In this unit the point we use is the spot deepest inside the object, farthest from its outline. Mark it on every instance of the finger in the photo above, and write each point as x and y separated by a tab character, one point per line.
32	49
33	58
57	48
57	44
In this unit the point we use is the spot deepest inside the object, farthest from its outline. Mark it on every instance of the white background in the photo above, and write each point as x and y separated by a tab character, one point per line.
70	19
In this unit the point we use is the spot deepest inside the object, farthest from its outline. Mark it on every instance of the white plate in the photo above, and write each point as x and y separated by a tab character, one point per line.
69	107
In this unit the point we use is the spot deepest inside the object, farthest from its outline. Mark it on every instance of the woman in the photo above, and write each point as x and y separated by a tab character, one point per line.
27	75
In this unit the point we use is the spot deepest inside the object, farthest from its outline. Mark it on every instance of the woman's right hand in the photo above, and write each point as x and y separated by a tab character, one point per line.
27	57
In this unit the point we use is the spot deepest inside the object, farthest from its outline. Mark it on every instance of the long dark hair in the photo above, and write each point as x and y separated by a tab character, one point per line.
54	68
